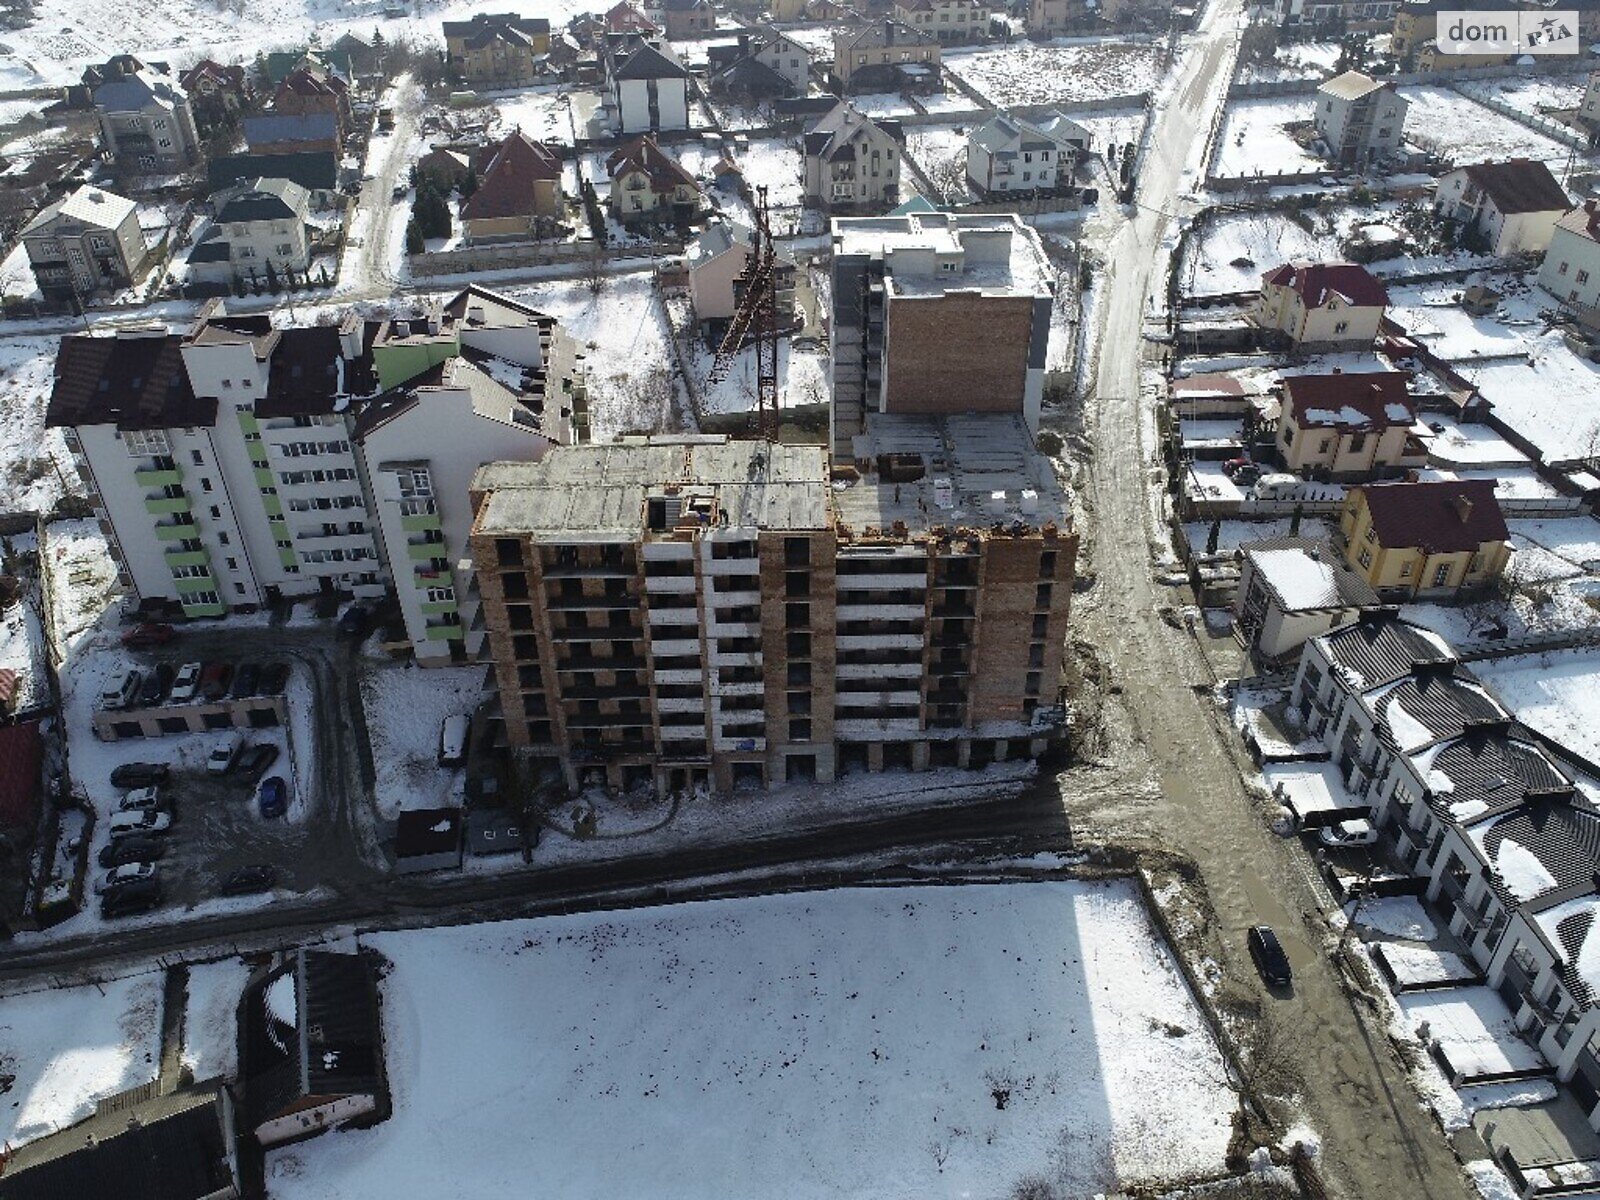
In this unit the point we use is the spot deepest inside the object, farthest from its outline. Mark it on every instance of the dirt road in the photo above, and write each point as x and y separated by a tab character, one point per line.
1183	786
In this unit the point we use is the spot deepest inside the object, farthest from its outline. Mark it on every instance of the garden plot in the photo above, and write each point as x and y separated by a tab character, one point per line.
775	164
905	1042
885	104
1027	73
405	709
1463	131
544	114
1254	141
1551	396
1539	97
210	1018
1299	60
1432	313
1236	250
1556	693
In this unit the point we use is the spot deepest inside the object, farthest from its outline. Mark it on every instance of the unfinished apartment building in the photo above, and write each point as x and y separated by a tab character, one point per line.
695	611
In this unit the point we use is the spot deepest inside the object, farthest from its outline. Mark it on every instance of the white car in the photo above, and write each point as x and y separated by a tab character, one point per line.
221	759
185	683
1348	833
145	799
126	873
125	823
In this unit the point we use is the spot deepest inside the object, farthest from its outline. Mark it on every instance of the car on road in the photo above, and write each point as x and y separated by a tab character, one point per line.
274	678
147	635
145	799
140	896
355	622
124	824
214	680
399	192
140	774
156	685
248	880
186	683
123	692
255	760
124	875
1270	960
135	848
273	798
247	681
1348	833
223	759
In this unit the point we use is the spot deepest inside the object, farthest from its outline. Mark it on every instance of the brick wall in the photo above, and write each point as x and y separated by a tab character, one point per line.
957	353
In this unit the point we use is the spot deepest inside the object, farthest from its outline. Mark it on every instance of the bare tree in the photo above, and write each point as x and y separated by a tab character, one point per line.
594	271
645	399
948	174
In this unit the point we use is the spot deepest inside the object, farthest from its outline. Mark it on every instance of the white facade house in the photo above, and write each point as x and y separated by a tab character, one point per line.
1359	118
86	242
1008	154
146	123
1571	268
648	90
784	57
1290	590
259	233
1510	207
852	162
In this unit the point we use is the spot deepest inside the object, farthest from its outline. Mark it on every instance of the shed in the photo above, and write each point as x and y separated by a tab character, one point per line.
428	839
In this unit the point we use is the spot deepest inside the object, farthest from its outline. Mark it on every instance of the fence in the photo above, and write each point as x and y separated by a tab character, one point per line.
1552	129
1293	87
525	254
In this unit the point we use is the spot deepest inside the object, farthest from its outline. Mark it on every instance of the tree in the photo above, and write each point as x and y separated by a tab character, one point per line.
594	271
430	211
415	242
1213	537
272	277
468	185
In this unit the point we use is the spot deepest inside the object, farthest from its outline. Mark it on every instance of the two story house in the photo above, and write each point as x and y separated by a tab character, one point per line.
1290	590
519	191
1434	539
215	91
146	123
1322	304
717	257
87	242
311	90
760	64
259	234
683	19
1571	268
952	22
647	87
1008	154
1360	119
1353	425
852	162
502	49
1506	207
649	185
886	56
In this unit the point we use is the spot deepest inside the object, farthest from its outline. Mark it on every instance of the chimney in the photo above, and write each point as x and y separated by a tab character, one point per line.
352	335
1463	508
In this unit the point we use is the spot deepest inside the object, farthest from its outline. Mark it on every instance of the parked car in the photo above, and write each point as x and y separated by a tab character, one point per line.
355	622
214	680
123	824
255	760
273	798
1270	960
274	678
140	774
399	192
142	800
135	848
122	693
151	633
247	681
453	741
156	685
1348	833
247	880
223	759
185	684
1275	487
123	875
137	897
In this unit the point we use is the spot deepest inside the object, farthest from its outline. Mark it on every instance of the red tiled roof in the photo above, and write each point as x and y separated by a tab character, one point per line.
1316	281
21	752
506	189
1352	399
625	18
642	154
1445	517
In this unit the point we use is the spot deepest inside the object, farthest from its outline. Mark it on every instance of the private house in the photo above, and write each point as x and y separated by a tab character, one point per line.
280	64
682	19
886	56
259	235
716	258
502	49
1435	539
1350	426
647	88
215	90
86	243
760	64
786	11
1506	207
1571	268
1290	590
519	192
446	166
1322	304
1360	119
952	22
1588	114
649	185
625	18
311	1047
852	162
311	90
1331	18
118	66
1050	18
283	133
1007	154
146	123
317	171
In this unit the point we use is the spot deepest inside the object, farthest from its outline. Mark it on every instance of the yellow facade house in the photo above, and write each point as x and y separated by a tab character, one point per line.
1431	540
1322	304
1352	425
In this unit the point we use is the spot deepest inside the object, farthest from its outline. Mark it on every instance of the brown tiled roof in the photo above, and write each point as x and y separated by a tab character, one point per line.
625	18
1316	281
1519	186
506	189
132	382
306	82
1351	399
1444	517
642	154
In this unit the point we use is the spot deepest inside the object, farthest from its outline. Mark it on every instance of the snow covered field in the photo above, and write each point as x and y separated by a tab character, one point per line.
33	459
1253	140
877	1042
69	1047
1465	131
1026	73
1555	693
405	706
210	1018
1538	96
1236	250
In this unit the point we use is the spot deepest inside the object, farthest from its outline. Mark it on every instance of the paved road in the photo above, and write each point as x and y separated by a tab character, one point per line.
1185	787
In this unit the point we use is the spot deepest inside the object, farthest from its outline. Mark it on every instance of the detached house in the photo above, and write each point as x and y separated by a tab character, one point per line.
259	233
1571	268
1290	590
765	63
647	87
1359	118
852	163
1353	425
497	48
1322	304
648	184
686	18
1425	539
1007	154
283	134
626	18
215	90
310	90
85	243
952	22
886	56
146	123
1509	207
519	190
717	258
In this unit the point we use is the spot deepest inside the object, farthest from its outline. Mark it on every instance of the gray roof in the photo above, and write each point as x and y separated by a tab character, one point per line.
264	200
1056	131
309	127
89	205
647	62
130	93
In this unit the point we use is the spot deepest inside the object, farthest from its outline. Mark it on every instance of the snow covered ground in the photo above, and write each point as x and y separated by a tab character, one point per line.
1464	131
1236	250
1300	60
405	706
83	574
1253	140
1556	693
210	1018
33	460
1538	96
877	1042
69	1047
1029	73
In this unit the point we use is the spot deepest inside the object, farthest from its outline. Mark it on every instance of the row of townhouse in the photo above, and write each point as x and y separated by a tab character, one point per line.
239	464
1507	840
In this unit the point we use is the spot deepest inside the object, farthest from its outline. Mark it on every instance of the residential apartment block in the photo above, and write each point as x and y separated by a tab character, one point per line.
677	612
937	313
1360	118
646	88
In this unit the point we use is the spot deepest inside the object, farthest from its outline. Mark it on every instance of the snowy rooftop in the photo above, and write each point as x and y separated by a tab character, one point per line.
1307	575
933	253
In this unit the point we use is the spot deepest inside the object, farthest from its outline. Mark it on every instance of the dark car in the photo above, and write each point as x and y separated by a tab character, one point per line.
247	880
131	850
156	685
355	622
1269	957
273	797
255	760
274	678
140	774
151	633
137	896
247	681
214	679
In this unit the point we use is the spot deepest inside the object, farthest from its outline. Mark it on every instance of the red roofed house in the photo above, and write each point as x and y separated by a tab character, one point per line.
313	89
1509	207
625	18
1322	304
1425	539
215	89
1571	270
648	184
1352	425
519	185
